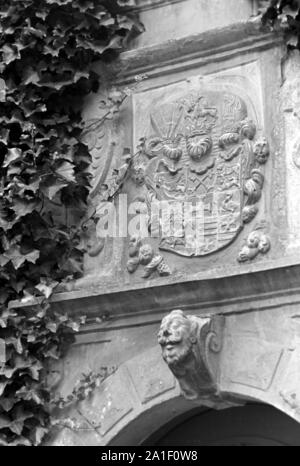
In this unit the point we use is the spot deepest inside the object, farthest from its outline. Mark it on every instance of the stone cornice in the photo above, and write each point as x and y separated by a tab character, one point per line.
201	49
262	286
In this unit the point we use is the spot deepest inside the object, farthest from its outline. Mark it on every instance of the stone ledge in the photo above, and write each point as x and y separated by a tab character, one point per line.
203	47
261	286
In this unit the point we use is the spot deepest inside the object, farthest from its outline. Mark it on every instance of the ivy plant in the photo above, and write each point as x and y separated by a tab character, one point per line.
47	52
282	16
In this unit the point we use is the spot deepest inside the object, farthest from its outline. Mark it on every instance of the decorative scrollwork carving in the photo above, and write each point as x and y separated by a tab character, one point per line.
187	344
248	129
228	139
197	146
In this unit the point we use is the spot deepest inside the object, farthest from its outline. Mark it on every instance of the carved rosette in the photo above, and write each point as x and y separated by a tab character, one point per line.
203	148
190	347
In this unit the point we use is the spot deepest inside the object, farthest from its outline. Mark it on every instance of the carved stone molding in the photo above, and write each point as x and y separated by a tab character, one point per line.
202	48
189	347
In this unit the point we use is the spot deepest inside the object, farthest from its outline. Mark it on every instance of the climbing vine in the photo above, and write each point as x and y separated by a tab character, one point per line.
47	52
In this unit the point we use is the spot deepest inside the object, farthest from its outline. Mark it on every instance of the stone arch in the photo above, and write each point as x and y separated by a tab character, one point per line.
140	398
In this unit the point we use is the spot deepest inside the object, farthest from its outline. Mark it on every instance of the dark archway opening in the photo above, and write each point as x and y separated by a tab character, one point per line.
249	425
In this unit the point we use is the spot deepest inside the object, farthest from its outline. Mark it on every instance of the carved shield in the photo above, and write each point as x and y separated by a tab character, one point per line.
199	150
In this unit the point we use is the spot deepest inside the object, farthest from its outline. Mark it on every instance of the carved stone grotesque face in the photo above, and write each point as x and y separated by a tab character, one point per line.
146	254
176	338
261	150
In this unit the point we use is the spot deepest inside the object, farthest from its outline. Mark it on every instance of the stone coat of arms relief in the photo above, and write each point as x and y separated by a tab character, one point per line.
203	148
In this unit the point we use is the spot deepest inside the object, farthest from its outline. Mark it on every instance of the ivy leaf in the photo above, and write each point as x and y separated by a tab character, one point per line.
28	298
35	370
4	133
22	207
16	342
38	434
3	384
7	403
66	170
20	441
4	421
2	90
51	190
12	155
2	351
9	53
52	326
14	255
16	426
29	394
31	76
47	289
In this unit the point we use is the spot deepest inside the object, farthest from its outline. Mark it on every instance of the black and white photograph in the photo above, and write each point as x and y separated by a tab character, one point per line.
149	227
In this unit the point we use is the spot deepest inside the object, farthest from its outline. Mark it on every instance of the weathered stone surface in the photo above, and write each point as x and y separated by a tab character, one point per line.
291	113
149	376
263	361
258	359
173	19
108	405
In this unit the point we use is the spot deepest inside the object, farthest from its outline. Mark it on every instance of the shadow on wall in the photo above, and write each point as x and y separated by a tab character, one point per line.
249	425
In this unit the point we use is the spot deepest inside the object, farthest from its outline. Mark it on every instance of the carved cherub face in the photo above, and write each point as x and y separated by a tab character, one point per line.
145	254
176	338
247	253
264	244
253	239
261	150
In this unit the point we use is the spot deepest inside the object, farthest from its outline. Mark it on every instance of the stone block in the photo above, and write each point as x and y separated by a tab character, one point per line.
109	404
150	375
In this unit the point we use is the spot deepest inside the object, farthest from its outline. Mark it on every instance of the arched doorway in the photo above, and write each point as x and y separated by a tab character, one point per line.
249	425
